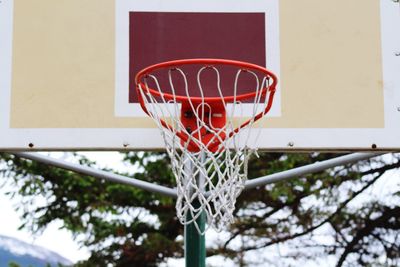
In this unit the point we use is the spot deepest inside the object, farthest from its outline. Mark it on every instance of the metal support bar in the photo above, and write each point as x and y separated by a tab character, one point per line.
308	169
99	173
276	177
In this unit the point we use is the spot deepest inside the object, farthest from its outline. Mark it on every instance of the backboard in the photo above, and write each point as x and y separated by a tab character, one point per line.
67	69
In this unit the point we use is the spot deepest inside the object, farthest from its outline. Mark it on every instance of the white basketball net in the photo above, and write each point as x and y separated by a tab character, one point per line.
208	181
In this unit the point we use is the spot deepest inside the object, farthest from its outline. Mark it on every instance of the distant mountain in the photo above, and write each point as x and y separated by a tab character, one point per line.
24	254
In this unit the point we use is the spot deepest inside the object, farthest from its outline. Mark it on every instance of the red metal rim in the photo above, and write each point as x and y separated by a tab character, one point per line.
211	100
205	61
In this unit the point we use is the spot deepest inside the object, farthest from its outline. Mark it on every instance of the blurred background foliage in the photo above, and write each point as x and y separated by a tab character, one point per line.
333	214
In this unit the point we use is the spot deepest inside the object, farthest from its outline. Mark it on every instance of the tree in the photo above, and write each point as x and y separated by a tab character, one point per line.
125	226
363	234
121	224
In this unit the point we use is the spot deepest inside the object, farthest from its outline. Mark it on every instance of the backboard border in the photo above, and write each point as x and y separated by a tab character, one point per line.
123	7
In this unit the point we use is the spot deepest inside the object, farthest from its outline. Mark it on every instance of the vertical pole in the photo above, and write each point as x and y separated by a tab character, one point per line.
195	243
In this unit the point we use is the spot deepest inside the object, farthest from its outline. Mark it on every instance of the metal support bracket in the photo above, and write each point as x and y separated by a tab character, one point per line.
308	169
261	181
99	173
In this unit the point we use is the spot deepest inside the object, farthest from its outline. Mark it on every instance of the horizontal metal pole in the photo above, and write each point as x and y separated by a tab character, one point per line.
273	178
308	169
99	173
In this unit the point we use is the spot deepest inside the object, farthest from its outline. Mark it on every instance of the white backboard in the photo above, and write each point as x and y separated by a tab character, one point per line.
67	68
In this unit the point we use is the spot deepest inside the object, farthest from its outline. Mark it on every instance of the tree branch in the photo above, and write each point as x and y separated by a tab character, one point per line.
331	217
369	227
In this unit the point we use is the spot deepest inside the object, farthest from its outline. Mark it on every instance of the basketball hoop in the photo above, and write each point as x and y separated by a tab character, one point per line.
207	110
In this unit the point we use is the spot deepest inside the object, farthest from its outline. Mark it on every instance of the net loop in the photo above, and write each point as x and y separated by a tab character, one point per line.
208	125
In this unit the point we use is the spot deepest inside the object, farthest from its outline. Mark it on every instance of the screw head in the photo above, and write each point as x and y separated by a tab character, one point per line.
397	53
398	109
291	144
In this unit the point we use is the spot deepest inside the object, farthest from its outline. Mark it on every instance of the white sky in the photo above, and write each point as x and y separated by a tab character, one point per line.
52	238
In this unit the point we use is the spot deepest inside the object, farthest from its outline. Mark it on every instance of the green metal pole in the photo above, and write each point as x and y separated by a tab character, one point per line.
195	243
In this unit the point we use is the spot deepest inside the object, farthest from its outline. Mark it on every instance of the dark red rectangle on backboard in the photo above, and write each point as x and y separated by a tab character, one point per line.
156	37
